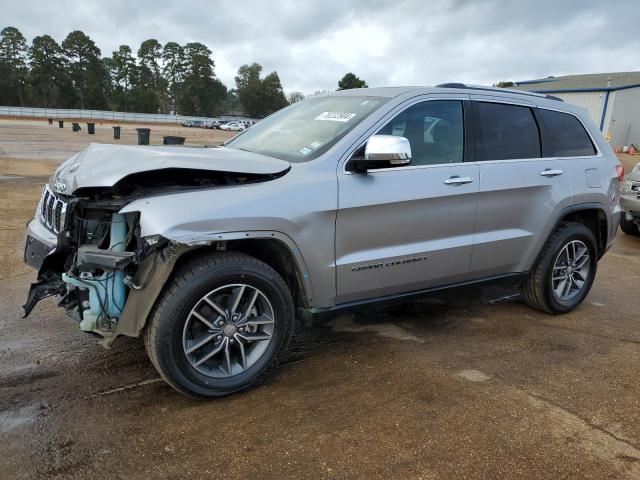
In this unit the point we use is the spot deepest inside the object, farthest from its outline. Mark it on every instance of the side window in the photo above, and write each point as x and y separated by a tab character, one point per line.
434	130
565	135
507	132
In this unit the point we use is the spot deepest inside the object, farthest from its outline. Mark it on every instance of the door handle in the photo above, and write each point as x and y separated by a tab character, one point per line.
456	180
548	172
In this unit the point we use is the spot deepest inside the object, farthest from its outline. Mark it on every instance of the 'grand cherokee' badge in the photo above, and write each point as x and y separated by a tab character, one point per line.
390	263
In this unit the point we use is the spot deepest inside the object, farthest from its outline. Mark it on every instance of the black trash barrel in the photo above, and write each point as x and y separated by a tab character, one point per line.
75	127
61	123
116	133
143	135
170	140
91	128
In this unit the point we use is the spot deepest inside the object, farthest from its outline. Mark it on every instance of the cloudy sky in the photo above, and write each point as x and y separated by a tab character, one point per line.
312	44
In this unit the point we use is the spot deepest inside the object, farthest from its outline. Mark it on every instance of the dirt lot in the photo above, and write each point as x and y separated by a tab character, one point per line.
464	385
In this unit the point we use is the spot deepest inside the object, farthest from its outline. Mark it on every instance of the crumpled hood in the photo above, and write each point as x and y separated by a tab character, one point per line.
103	165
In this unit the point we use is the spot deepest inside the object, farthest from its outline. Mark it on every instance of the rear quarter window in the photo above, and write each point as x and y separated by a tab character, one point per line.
507	132
565	135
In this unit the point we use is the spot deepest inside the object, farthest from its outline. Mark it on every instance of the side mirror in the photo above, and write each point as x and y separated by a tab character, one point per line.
383	151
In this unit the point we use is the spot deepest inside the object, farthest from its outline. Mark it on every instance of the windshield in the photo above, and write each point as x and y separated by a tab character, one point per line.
306	129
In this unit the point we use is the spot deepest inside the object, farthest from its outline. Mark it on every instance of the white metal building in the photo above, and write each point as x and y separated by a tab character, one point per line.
612	100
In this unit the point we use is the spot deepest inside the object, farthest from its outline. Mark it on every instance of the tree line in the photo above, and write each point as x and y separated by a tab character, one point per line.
155	79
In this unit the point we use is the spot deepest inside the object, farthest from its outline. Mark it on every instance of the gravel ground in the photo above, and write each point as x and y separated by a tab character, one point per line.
470	384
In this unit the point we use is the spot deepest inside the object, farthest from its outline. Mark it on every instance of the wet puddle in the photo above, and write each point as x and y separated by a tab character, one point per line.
12	419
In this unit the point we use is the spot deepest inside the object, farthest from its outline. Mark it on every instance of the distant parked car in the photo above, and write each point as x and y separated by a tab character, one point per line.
234	127
630	202
194	124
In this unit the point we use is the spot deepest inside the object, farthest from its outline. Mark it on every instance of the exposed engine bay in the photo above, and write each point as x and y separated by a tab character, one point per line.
96	262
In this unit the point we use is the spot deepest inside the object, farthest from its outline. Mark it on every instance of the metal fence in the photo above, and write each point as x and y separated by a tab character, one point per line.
64	113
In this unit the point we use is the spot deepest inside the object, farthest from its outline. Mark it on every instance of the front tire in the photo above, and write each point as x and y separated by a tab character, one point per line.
221	325
564	271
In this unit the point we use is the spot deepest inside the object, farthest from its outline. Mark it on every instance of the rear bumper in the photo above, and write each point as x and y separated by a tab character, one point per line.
614	224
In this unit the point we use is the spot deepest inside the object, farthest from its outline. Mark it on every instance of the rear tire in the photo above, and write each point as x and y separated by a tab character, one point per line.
628	227
221	325
557	283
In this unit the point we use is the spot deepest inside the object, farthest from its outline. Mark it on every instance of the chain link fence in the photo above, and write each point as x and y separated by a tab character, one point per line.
67	114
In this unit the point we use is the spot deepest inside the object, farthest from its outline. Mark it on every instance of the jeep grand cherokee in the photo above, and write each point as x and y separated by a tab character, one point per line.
341	200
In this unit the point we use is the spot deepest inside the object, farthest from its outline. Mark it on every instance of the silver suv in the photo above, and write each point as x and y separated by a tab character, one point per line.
338	201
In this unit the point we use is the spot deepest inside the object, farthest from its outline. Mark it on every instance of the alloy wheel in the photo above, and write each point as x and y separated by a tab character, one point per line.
228	330
571	270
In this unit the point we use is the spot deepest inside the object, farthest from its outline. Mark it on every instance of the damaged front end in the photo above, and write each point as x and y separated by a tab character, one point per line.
94	261
93	257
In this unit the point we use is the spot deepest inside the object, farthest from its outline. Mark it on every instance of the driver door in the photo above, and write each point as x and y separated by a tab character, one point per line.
410	228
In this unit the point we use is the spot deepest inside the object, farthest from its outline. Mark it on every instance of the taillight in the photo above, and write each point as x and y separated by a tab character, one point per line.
620	172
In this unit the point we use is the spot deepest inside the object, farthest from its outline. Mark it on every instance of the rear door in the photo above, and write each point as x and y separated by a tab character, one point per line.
520	192
567	141
408	228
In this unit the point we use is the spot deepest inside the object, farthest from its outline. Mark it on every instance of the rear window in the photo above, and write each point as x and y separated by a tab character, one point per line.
565	135
507	132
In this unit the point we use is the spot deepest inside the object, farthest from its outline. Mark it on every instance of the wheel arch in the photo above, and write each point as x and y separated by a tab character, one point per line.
592	215
595	220
273	248
281	258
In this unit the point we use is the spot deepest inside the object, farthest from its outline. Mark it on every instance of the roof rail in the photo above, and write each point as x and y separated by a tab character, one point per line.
497	89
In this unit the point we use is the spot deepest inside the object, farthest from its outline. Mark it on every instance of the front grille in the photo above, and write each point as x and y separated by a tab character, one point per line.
49	211
57	216
53	210
43	203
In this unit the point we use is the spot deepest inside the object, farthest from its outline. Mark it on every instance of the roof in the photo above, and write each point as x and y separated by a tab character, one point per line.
391	92
582	83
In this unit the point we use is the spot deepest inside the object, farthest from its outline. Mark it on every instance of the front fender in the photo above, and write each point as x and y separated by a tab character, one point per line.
298	209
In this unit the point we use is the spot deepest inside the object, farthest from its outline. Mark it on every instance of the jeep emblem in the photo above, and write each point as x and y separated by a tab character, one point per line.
60	186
